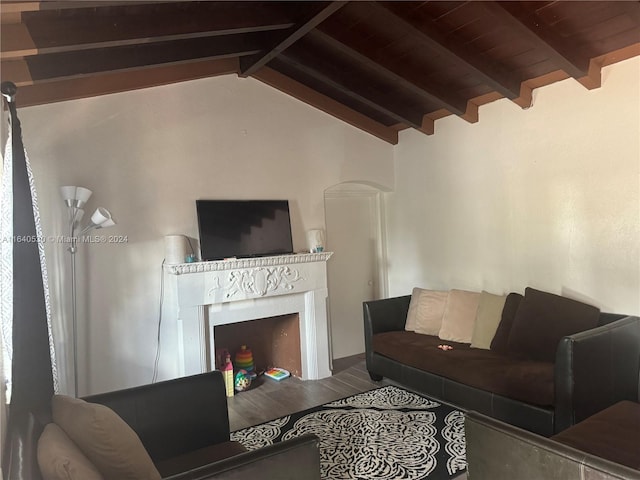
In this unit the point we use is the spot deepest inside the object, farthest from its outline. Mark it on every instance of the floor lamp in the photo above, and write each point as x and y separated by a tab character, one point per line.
75	198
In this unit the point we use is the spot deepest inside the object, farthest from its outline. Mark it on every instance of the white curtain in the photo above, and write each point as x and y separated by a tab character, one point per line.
6	273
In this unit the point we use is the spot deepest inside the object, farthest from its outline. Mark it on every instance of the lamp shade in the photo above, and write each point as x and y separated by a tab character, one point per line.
75	196
82	195
100	216
107	223
175	247
68	193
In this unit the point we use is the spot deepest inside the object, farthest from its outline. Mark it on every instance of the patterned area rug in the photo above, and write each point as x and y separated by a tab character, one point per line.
388	433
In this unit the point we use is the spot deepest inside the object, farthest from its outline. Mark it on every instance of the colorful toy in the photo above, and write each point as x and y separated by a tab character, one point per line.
243	381
244	359
277	373
226	367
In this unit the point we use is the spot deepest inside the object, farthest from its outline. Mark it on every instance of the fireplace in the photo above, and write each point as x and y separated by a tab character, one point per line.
232	298
274	341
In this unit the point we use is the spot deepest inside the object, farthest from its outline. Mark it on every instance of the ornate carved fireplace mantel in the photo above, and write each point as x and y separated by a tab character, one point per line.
207	294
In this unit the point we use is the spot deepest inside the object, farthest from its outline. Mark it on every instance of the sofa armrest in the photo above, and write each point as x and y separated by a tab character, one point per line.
385	315
295	459
500	451
595	369
173	417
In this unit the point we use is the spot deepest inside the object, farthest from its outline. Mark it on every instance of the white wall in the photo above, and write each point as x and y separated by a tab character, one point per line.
547	197
148	155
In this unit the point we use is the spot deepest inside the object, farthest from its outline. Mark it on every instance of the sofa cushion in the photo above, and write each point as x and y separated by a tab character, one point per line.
543	319
104	438
412	318
611	434
459	316
501	338
488	318
61	459
425	311
524	380
199	458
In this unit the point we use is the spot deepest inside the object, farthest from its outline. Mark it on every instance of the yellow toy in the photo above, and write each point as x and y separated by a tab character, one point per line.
227	372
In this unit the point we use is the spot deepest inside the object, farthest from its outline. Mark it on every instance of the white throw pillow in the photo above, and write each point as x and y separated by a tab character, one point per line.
425	311
430	311
459	316
488	318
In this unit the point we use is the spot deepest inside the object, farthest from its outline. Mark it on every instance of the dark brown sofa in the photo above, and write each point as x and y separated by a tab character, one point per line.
590	370
183	425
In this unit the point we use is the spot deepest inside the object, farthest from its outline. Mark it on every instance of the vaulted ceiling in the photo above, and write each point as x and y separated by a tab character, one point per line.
381	66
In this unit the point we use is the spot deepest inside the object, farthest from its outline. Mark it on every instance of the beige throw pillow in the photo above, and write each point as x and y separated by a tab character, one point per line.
412	318
61	459
113	447
459	316
488	318
430	311
425	311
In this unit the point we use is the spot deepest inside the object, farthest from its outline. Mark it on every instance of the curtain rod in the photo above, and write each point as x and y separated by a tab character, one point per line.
9	90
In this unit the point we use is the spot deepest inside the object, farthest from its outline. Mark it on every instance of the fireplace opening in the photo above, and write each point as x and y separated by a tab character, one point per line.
274	341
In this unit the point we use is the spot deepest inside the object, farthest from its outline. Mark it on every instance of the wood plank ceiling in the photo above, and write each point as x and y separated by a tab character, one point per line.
381	66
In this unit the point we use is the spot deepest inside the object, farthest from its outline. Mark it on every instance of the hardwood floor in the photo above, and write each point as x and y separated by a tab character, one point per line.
268	399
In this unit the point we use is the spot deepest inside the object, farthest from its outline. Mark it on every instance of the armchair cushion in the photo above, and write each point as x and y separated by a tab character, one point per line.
611	434
104	438
198	458
61	459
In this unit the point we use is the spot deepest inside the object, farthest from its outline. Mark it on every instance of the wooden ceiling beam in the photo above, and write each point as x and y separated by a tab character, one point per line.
413	119
16	71
249	65
20	6
402	76
492	74
114	82
16	41
51	32
13	49
87	62
564	54
311	97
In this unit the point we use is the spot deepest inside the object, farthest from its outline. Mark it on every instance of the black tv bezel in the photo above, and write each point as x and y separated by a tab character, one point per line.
287	251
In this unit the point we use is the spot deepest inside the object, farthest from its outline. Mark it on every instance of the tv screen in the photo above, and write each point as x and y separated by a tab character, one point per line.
243	228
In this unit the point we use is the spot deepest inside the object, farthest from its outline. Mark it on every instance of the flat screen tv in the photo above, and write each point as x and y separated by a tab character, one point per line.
243	228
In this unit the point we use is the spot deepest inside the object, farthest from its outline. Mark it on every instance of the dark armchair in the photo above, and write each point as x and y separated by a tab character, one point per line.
498	451
183	425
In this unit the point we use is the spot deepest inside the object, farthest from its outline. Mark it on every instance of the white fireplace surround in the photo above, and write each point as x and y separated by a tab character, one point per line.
206	294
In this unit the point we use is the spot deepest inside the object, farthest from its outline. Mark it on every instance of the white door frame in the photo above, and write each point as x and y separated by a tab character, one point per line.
354	189
377	218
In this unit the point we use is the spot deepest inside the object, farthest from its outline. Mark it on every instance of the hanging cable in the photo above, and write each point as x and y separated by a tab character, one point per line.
157	360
